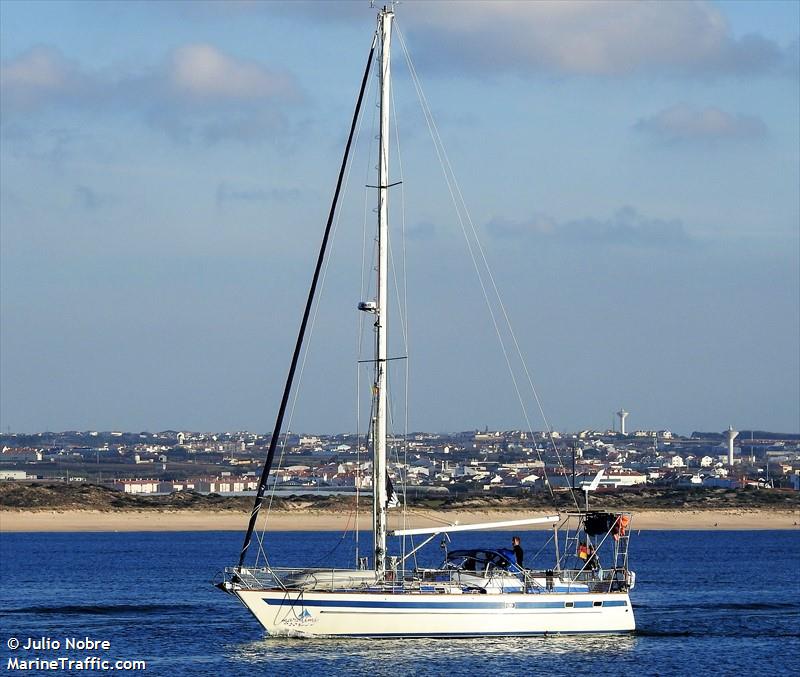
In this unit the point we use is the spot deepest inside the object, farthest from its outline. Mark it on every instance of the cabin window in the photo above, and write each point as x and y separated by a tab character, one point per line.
569	605
597	604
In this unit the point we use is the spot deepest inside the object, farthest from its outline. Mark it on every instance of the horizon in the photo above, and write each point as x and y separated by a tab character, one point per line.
601	431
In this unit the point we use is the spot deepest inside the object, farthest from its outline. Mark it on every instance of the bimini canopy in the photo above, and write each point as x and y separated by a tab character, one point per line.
482	560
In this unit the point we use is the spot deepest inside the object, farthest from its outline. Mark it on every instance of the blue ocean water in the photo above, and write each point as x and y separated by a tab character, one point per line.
718	602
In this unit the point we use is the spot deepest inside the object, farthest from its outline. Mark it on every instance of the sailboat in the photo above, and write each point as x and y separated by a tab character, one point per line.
474	592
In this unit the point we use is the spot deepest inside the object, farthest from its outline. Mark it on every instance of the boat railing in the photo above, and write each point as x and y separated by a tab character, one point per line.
534	580
432	580
250	577
299	578
617	579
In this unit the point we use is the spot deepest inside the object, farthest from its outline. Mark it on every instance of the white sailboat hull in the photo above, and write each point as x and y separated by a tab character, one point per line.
316	614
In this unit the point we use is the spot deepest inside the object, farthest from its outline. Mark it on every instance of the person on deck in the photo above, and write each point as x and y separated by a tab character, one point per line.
592	563
518	552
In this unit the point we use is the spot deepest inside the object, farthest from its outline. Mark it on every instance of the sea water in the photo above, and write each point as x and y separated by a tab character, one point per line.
706	603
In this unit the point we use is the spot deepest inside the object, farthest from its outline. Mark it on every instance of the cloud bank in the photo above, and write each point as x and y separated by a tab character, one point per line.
39	76
560	37
197	91
626	227
684	124
597	38
227	193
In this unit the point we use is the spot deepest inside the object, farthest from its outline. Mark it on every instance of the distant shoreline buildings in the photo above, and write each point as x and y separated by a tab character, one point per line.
472	461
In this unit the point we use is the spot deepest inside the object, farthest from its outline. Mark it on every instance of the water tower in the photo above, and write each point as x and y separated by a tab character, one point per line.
730	435
622	416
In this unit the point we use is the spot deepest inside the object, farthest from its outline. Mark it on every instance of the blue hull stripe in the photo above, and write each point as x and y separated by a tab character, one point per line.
489	634
380	604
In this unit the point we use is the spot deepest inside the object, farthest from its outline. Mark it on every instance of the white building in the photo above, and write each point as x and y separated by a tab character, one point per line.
14	454
137	486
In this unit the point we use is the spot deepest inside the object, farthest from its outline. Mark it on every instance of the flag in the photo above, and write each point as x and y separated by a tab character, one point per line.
392	500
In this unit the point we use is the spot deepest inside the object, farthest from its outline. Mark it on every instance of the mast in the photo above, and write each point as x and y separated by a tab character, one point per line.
379	493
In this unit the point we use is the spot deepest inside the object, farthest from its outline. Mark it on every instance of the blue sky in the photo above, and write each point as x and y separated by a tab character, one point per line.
631	169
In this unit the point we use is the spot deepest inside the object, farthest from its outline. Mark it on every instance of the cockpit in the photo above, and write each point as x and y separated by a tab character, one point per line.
482	562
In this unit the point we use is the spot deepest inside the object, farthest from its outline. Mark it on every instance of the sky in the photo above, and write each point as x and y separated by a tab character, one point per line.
631	171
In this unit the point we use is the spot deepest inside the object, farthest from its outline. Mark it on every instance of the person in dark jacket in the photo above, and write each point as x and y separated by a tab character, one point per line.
592	563
518	552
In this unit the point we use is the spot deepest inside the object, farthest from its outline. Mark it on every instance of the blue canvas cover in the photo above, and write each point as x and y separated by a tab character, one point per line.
512	560
479	558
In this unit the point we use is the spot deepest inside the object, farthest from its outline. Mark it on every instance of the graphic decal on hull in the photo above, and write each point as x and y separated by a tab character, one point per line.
302	620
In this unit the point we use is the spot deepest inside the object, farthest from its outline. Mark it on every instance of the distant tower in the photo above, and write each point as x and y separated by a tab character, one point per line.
730	435
622	416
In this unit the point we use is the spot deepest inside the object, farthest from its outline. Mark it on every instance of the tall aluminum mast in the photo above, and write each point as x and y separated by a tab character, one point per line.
379	493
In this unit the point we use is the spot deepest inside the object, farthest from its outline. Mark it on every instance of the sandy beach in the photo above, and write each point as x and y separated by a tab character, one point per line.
308	520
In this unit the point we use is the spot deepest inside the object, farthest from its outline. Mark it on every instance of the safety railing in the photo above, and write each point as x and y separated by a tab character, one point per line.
432	580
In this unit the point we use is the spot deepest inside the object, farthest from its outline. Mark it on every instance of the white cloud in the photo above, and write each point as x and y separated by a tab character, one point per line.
683	123
39	75
203	71
196	92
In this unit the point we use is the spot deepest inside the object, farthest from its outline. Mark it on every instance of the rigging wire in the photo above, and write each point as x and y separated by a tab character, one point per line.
406	325
402	305
460	206
312	325
345	533
363	291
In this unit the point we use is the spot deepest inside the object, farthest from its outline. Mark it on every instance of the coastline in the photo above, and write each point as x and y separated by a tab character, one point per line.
12	521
